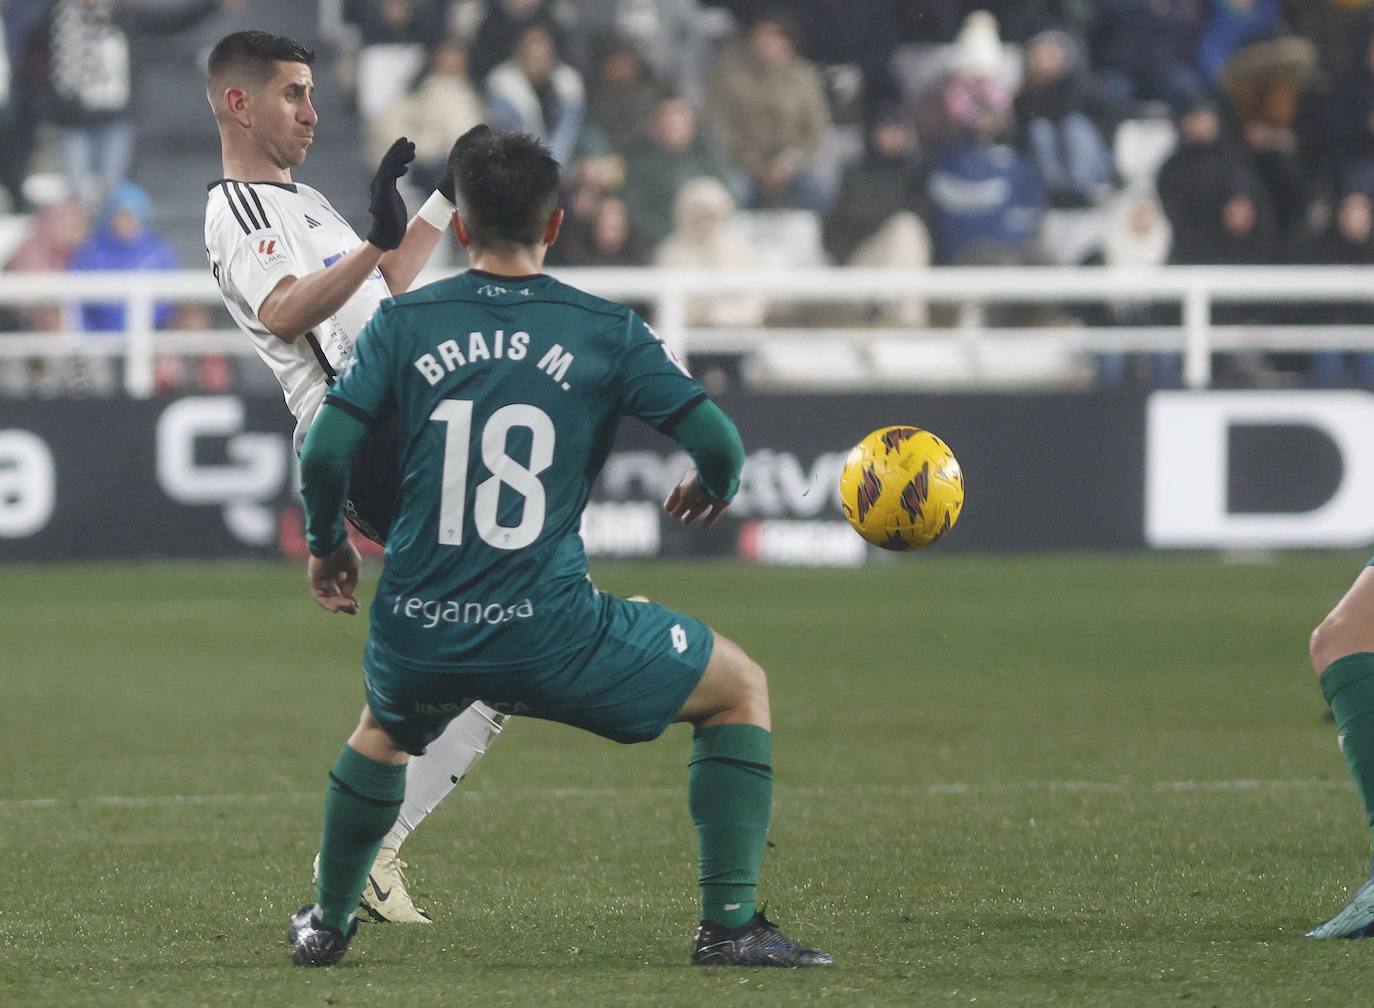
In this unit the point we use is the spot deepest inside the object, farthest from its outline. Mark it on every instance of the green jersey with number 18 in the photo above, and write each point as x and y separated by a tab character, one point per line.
506	394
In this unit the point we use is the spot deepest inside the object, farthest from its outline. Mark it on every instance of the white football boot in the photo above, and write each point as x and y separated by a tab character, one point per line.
386	899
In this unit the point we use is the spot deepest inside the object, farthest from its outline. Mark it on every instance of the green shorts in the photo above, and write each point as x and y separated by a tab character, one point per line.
626	683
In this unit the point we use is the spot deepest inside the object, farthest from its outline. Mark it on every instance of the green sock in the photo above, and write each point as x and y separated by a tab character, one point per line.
360	805
730	794
1348	684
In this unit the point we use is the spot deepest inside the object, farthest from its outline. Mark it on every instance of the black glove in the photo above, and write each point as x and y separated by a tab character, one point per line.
448	185
387	208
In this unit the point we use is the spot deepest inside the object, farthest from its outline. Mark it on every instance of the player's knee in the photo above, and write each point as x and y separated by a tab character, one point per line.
373	741
1328	642
1316	642
737	691
1337	637
753	681
750	690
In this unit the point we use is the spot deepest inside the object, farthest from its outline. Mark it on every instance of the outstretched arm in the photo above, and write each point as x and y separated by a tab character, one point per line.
325	459
713	442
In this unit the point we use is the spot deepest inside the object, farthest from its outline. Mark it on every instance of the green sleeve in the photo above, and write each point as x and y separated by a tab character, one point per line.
710	437
325	459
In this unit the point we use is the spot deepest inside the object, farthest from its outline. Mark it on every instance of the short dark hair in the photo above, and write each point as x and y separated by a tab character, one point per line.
255	53
506	184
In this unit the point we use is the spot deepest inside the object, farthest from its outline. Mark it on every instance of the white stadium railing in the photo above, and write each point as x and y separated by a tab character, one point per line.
1194	290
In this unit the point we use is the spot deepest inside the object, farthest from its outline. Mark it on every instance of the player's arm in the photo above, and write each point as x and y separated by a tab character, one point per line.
403	264
298	304
325	459
713	442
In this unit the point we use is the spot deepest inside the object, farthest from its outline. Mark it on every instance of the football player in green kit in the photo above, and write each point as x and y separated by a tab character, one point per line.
1342	652
507	387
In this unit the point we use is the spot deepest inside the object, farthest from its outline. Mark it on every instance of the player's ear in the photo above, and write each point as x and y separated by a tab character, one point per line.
236	103
460	230
552	228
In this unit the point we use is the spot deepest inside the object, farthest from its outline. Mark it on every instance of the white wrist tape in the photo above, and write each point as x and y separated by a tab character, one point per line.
438	211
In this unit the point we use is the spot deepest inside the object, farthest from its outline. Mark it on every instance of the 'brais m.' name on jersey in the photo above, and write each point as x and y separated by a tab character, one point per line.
452	355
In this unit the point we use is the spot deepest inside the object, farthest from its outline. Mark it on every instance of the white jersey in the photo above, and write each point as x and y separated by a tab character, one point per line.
257	234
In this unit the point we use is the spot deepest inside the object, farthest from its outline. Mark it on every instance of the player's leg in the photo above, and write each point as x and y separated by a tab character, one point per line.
730	794
449	759
373	479
429	779
730	780
366	784
1342	651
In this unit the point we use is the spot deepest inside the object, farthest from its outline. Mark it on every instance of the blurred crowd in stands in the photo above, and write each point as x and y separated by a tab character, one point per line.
740	133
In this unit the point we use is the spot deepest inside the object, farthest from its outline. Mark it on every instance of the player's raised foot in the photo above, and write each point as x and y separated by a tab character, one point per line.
385	898
1355	919
313	944
756	943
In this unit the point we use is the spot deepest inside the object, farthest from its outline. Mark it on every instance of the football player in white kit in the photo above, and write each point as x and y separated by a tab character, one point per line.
301	284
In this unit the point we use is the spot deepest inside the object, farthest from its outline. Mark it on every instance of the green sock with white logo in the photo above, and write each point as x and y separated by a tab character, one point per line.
730	794
360	805
1348	684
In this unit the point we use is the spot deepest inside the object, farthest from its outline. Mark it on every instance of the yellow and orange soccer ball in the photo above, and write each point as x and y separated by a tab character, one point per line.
901	488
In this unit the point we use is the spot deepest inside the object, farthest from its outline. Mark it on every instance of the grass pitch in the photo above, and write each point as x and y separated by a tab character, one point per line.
1037	780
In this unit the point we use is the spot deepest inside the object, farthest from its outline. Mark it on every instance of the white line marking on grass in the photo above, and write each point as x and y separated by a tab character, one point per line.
146	801
1250	785
943	790
154	801
1019	786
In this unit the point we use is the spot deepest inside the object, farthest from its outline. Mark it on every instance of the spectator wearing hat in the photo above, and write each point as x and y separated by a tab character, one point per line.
985	198
1263	84
123	240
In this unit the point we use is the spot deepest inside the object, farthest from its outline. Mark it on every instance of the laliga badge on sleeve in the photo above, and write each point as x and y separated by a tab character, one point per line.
269	249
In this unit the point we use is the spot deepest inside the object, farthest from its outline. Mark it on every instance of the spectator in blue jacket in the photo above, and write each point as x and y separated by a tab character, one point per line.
985	197
123	241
